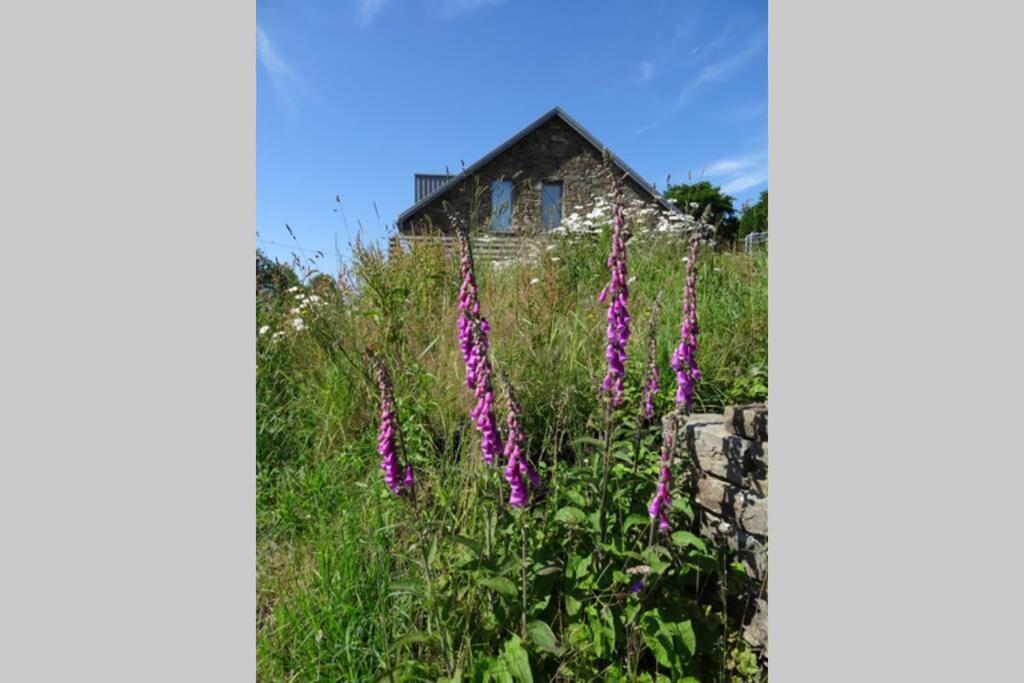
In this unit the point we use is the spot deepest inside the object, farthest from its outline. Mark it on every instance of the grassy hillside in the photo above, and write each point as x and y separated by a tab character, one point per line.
342	590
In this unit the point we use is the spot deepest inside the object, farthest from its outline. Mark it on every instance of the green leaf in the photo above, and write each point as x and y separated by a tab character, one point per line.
469	543
685	538
415	637
500	584
543	637
517	661
587	440
635	520
570	515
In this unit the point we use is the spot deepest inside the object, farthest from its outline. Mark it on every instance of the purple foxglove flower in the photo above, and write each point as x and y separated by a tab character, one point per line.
684	358
387	435
473	329
518	466
616	293
658	508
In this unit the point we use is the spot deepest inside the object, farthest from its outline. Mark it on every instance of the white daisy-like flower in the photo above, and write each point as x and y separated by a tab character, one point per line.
264	330
299	324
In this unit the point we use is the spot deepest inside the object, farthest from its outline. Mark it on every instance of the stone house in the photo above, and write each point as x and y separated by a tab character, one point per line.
525	186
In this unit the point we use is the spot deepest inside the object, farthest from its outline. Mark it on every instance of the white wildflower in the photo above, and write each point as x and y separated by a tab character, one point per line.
299	324
264	330
534	281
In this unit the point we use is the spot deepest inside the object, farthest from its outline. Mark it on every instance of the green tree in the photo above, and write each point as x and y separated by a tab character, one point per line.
705	194
755	217
273	274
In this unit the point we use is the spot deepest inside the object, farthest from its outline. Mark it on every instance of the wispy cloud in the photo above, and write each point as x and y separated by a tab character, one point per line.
366	10
723	68
740	173
454	8
281	75
646	71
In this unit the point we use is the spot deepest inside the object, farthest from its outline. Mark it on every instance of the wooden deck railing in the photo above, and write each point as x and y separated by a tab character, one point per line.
496	247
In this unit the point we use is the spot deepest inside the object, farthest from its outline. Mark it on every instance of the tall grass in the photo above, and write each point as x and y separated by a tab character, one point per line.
336	573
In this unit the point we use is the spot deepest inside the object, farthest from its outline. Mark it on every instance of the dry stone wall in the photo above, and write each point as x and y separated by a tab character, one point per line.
726	458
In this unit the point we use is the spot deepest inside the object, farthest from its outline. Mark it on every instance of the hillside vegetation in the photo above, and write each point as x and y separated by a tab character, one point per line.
358	584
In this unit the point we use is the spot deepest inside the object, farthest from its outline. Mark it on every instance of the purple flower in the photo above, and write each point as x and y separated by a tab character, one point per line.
518	465
395	477
658	508
684	358
473	329
616	292
636	587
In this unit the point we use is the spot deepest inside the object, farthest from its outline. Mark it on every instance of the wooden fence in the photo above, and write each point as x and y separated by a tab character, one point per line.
496	247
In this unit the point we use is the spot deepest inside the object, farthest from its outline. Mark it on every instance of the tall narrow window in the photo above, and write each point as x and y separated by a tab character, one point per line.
501	205
551	205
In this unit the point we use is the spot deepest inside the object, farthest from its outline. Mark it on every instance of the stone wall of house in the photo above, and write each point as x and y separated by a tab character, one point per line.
553	152
725	458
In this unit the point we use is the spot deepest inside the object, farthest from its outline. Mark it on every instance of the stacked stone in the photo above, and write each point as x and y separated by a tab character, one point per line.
729	457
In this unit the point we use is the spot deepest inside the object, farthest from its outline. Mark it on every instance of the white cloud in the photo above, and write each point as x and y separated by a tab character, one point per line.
745	181
367	10
280	75
723	68
739	173
646	71
453	8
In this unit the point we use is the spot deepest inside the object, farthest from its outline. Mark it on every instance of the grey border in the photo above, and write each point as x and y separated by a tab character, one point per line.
128	352
895	146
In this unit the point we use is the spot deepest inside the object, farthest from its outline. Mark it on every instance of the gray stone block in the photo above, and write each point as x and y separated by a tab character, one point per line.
720	453
756	631
750	421
734	504
749	549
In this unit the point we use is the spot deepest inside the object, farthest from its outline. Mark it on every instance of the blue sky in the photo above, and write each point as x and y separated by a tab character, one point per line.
355	96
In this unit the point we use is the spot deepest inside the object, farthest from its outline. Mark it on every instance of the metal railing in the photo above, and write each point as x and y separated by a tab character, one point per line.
753	239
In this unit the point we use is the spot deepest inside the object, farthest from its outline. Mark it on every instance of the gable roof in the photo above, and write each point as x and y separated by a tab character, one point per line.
556	112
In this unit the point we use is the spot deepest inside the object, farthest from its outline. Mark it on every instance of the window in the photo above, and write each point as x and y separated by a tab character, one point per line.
551	205
501	205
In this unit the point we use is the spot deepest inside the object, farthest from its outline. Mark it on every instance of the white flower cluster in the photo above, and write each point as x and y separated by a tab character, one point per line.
642	218
305	304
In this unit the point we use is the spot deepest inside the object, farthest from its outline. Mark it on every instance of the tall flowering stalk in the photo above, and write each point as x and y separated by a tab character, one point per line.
616	292
518	468
650	387
398	478
658	508
473	329
684	358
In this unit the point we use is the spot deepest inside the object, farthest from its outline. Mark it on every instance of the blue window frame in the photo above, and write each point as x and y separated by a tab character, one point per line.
551	205
501	205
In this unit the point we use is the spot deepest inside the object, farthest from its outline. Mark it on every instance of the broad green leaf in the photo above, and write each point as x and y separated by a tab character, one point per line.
571	515
543	637
635	520
517	661
499	584
686	538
